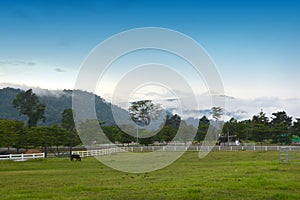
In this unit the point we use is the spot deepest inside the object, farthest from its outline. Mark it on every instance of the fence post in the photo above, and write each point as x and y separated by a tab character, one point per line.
280	155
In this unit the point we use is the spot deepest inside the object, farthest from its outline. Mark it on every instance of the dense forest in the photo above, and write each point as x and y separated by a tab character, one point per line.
16	132
56	102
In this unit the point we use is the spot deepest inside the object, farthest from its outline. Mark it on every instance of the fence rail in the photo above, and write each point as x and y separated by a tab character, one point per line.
106	151
99	152
22	157
287	155
209	148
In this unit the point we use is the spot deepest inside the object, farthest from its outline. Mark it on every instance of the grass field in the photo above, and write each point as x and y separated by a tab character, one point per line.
220	175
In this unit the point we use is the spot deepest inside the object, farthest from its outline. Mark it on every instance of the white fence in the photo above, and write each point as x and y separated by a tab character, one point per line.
22	157
99	152
284	151
289	156
209	148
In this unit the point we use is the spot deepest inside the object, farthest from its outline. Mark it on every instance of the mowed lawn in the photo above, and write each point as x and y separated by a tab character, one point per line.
220	175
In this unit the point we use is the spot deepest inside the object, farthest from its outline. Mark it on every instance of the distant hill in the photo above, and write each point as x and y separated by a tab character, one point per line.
56	102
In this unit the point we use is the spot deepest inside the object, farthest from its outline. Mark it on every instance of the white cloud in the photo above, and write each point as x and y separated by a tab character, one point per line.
17	63
59	70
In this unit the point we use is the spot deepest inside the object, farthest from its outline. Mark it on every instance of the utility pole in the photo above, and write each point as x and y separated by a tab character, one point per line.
70	145
228	136
137	134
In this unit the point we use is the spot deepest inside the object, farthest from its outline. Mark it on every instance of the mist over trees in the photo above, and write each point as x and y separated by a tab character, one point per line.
55	103
277	129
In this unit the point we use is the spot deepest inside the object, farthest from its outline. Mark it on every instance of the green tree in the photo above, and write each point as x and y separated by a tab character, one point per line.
296	127
244	129
39	137
173	121
261	132
169	131
22	139
281	124
58	136
33	137
10	131
230	128
281	117
217	112
167	134
202	129
113	133
188	132
148	140
142	112
260	118
90	133
124	137
28	104
68	123
260	127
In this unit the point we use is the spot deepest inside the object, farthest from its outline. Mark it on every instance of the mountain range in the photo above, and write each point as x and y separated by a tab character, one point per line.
56	102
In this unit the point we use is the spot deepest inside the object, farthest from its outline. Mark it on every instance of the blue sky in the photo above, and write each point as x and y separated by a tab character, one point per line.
255	44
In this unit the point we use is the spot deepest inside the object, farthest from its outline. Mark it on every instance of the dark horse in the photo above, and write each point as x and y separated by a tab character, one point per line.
75	156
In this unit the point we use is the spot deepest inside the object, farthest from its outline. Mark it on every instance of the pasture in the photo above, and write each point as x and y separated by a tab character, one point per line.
220	175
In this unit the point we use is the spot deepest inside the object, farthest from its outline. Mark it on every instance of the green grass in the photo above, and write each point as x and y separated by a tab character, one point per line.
220	175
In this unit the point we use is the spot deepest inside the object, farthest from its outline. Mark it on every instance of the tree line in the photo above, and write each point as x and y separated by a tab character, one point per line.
19	135
279	129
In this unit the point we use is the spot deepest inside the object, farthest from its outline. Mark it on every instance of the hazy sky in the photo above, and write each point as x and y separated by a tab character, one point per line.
255	44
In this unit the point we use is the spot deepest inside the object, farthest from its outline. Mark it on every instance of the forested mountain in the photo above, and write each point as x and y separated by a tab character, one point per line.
56	102
279	128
